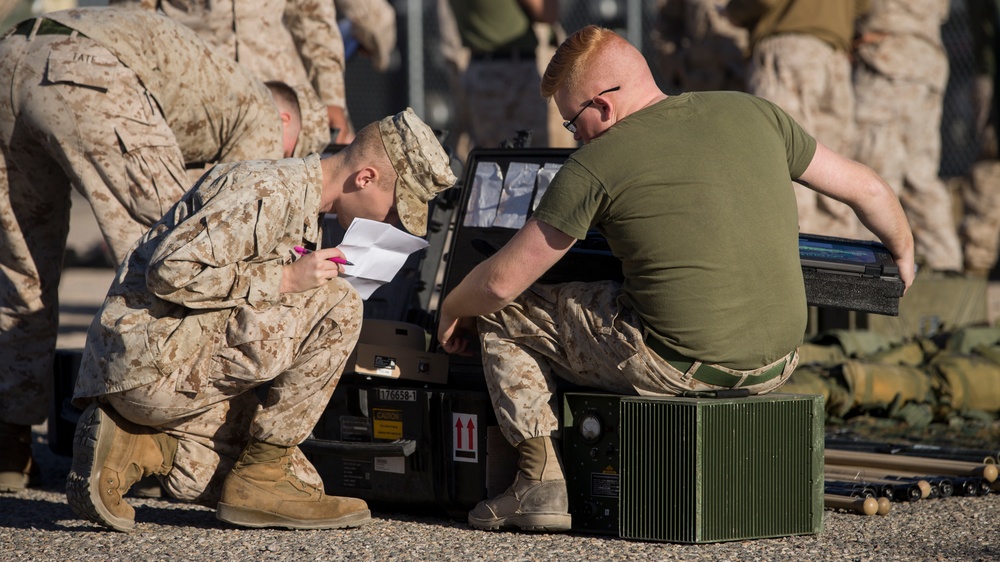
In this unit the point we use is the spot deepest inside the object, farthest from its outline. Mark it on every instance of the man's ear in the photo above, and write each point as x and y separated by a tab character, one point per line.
366	176
603	106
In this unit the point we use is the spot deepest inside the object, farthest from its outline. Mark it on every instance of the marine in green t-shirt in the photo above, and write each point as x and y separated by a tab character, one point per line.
694	196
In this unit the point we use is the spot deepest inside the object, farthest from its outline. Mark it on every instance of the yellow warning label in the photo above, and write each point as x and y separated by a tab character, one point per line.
387	424
609	470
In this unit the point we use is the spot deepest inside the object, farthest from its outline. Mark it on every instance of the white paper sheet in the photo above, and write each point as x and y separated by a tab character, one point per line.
518	184
378	251
486	187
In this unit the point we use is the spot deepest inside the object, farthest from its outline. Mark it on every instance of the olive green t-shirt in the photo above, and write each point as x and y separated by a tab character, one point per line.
490	26
694	195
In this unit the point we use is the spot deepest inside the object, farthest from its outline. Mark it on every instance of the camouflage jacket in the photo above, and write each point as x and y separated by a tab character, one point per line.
206	274
216	110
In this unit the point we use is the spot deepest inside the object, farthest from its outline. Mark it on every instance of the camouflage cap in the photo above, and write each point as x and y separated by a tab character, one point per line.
421	163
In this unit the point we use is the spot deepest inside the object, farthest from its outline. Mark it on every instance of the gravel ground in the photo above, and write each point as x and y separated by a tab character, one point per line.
38	525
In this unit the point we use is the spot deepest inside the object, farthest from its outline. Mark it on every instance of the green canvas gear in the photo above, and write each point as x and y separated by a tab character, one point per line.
966	340
969	382
873	385
856	343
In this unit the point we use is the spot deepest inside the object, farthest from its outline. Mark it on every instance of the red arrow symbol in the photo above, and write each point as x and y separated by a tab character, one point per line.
458	434
472	428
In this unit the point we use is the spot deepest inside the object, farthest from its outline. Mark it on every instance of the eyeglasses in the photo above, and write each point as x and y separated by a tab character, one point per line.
569	124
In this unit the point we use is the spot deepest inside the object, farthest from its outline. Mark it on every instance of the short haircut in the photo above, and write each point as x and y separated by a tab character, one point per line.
367	149
285	97
572	57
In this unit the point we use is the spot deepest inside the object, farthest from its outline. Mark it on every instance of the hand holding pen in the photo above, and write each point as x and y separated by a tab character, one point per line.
311	271
335	259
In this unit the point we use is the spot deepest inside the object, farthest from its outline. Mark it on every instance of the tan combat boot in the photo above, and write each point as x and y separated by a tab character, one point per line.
110	454
17	467
263	491
537	501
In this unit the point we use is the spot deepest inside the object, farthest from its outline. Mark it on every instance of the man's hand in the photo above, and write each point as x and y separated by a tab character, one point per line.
455	335
310	271
338	120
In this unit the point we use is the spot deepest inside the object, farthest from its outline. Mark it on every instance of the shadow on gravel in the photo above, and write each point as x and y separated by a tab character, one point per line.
39	514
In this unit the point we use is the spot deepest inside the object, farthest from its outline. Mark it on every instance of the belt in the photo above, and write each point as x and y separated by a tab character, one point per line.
45	27
514	54
707	373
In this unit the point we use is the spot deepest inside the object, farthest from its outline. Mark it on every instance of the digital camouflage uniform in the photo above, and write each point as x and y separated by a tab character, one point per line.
583	333
899	87
195	321
800	60
981	197
373	24
296	42
698	49
116	110
501	82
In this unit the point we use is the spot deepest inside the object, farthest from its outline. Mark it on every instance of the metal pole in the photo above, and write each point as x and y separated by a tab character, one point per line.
415	55
633	22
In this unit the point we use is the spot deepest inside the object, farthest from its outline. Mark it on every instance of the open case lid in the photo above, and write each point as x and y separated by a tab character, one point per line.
860	257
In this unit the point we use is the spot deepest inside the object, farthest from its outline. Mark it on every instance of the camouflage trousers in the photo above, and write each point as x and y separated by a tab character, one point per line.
811	81
584	333
214	416
899	137
981	224
502	97
70	114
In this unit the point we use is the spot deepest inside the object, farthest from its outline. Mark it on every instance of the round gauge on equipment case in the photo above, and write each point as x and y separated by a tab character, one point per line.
590	427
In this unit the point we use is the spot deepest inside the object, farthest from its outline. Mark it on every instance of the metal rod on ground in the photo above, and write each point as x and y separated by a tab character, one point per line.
921	464
901	491
945	485
865	473
850	489
866	506
915	450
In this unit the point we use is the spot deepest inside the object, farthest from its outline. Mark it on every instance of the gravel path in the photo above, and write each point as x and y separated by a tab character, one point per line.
39	525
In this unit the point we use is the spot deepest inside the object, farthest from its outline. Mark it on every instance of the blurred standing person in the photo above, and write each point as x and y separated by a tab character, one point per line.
697	47
296	42
899	82
800	60
502	82
981	198
456	59
373	25
117	104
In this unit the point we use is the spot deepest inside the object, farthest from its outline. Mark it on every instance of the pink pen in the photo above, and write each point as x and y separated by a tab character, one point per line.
302	251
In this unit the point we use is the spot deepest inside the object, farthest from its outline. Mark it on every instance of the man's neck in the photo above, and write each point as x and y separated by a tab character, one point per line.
333	170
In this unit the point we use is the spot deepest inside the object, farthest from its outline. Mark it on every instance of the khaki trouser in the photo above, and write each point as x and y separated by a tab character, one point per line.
981	224
586	334
71	114
502	97
811	81
213	408
899	137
